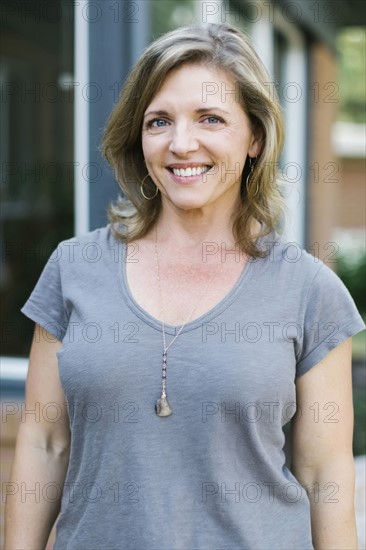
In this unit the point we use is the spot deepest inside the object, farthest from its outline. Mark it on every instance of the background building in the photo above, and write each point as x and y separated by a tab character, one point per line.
63	66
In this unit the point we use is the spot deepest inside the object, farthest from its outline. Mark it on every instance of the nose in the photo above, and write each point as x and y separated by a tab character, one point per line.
183	140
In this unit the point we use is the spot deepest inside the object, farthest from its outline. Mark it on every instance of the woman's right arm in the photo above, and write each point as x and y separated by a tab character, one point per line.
41	453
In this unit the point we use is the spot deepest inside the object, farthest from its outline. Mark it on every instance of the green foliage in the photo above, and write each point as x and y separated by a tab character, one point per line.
353	274
351	46
359	436
167	15
352	271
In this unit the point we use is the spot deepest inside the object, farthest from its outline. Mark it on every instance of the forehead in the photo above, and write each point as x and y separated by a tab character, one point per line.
198	85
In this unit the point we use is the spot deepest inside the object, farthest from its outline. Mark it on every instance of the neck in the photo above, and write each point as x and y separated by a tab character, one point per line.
190	231
187	229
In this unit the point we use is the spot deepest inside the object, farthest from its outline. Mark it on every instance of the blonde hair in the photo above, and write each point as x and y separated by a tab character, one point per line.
223	47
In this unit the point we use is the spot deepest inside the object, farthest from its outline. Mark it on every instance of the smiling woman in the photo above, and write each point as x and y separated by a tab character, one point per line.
176	349
222	82
214	141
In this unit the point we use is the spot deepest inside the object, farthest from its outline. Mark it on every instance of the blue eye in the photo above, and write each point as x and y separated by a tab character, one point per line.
157	123
213	119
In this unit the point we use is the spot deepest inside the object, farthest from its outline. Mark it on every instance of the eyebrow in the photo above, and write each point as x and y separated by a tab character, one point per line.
209	109
158	113
202	110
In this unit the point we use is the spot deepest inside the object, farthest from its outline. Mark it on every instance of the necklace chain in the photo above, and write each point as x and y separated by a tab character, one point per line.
162	406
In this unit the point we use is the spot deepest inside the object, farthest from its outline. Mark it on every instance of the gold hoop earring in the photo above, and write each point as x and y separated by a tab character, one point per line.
142	190
252	164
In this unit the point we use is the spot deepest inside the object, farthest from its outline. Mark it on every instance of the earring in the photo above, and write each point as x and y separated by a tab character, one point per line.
142	190
252	164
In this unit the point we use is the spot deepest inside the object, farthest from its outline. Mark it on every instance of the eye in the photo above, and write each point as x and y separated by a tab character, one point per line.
213	119
156	123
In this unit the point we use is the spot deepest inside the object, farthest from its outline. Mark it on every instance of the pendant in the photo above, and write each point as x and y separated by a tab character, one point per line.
162	406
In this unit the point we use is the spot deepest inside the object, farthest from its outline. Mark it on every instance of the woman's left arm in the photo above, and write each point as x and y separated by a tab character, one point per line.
322	448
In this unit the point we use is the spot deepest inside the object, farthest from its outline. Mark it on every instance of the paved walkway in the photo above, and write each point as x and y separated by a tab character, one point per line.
360	500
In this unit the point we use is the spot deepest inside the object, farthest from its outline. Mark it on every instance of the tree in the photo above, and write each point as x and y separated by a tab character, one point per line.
351	45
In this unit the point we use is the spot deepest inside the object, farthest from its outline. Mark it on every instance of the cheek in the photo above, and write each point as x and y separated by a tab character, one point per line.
148	155
152	146
145	146
242	145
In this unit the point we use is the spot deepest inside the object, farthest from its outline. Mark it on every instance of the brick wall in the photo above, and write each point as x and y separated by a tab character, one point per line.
351	211
324	167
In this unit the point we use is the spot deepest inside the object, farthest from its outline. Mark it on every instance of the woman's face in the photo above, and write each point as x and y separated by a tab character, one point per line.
195	139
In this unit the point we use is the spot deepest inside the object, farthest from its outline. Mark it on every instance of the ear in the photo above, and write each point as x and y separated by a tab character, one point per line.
256	142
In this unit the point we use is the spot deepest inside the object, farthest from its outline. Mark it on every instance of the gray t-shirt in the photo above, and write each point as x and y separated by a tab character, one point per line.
212	475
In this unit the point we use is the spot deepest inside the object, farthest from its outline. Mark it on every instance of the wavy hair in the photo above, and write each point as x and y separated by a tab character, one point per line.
223	47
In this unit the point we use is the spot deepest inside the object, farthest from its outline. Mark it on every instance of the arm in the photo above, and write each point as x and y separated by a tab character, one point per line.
322	449
42	451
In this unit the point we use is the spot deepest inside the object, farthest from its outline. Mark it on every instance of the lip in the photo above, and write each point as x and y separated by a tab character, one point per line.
187	179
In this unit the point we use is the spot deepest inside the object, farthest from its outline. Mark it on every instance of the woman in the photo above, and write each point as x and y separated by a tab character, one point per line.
184	335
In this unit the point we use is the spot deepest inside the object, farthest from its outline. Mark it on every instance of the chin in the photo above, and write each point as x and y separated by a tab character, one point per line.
186	202
188	205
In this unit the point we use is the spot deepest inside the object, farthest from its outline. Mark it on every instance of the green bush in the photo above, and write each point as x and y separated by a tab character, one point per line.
353	274
359	435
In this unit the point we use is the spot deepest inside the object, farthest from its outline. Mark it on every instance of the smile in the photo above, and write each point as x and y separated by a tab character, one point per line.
191	171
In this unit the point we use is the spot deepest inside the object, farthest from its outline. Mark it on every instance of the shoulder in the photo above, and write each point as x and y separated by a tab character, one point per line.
291	253
289	265
315	296
293	274
88	248
100	236
87	257
304	266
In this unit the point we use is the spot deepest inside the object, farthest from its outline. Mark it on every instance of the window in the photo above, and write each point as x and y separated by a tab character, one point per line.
36	152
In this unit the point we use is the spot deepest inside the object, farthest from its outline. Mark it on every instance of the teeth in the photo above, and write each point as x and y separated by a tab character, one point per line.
186	172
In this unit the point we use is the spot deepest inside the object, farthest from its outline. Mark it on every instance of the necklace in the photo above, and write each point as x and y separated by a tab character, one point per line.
162	407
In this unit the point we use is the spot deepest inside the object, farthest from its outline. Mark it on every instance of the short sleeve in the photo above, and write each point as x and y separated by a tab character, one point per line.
45	305
330	318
